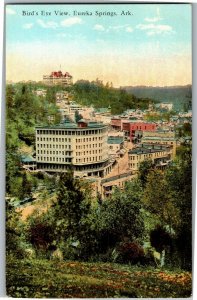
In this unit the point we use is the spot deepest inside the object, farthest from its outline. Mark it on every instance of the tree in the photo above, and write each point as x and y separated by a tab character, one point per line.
14	231
26	186
71	208
158	199
78	116
121	217
144	169
179	180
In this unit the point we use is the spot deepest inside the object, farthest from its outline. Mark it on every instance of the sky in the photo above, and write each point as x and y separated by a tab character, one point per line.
126	44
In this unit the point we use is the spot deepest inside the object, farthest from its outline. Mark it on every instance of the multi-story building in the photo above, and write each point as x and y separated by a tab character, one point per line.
116	144
160	155
133	129
58	78
81	145
161	137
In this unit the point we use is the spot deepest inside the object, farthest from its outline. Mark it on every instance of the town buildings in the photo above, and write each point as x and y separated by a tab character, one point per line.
58	78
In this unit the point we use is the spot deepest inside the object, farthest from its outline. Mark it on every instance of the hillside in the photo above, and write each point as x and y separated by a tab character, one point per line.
180	96
67	279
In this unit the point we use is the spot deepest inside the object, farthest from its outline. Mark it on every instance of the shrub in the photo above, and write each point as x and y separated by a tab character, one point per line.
130	252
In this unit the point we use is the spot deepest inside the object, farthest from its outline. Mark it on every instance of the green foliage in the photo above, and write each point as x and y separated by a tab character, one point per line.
71	207
99	95
180	182
145	167
158	199
180	96
70	216
14	232
52	279
167	197
120	217
40	234
78	116
185	130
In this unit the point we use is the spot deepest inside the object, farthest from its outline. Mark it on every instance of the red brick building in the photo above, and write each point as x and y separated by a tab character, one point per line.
132	129
140	127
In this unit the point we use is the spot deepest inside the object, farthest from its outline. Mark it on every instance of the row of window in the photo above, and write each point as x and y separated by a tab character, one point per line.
67	153
143	127
69	132
54	159
88	159
43	139
133	165
89	139
137	157
53	146
55	166
53	139
88	152
88	146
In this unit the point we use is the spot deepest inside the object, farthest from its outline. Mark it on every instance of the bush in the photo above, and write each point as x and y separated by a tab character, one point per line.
130	252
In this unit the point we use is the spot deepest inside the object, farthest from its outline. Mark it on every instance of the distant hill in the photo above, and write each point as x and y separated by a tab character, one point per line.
180	96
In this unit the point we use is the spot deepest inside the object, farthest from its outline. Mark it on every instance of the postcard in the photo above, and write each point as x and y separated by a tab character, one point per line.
98	150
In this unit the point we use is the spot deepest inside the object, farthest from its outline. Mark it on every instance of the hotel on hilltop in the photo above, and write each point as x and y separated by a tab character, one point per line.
58	78
82	145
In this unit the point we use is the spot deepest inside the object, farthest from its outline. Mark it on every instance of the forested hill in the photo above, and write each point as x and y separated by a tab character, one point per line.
99	95
180	96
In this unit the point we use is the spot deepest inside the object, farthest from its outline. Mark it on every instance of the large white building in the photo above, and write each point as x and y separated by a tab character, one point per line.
58	78
81	145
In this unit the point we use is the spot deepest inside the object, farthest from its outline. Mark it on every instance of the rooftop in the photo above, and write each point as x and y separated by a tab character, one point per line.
158	138
72	125
149	148
115	140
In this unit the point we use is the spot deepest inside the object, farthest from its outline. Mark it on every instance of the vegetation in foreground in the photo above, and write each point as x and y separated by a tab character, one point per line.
44	279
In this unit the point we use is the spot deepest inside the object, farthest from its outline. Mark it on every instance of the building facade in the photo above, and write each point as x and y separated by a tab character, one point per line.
82	146
162	139
161	155
132	129
58	78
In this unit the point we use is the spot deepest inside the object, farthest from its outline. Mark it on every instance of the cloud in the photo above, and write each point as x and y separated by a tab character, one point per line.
119	28
10	11
153	29
28	25
49	24
71	21
129	29
99	27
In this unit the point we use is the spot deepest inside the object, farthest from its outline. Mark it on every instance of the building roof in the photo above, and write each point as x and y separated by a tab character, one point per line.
115	140
149	148
72	125
27	158
158	138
